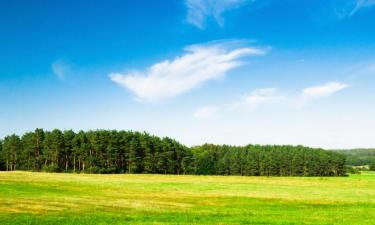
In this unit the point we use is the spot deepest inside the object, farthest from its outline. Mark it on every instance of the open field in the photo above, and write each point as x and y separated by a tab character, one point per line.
42	198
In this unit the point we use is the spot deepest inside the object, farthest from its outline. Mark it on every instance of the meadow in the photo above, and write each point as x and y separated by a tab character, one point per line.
61	198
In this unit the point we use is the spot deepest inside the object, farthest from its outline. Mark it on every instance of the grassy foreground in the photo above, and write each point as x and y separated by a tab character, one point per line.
42	198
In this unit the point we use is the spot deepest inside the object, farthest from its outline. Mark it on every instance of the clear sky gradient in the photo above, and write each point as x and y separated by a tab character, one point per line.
221	71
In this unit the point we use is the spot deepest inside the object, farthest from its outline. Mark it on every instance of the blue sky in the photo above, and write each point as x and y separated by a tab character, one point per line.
220	71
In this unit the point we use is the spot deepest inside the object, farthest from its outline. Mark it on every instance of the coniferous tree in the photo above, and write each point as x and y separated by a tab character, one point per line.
11	152
67	150
38	148
53	150
2	161
27	156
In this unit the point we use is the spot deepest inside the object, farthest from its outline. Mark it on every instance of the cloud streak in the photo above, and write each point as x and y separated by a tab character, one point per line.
199	64
260	97
362	4
325	90
272	97
200	10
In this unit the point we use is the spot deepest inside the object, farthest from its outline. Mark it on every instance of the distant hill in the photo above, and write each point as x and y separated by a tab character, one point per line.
358	157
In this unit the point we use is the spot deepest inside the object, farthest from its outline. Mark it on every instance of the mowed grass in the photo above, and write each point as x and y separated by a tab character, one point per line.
47	198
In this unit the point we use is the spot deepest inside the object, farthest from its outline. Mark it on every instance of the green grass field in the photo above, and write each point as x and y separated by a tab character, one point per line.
42	198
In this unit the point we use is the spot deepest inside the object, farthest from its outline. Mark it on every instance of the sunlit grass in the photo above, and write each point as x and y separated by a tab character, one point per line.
43	198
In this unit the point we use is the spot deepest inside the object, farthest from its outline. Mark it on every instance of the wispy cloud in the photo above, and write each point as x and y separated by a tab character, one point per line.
199	64
346	9
206	112
60	68
321	91
260	97
200	10
362	4
272	97
249	101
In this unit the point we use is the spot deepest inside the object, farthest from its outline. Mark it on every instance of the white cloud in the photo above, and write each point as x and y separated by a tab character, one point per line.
259	97
206	112
362	4
199	64
273	97
321	91
60	69
200	10
252	101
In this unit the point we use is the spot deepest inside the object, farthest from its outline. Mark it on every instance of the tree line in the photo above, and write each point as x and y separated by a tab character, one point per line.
111	151
359	157
268	160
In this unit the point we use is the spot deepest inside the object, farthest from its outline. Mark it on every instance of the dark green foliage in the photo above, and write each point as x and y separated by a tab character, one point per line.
32	148
2	161
358	157
255	160
113	151
11	152
372	166
53	151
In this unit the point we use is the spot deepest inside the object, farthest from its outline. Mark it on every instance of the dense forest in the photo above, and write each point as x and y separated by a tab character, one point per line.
359	157
110	151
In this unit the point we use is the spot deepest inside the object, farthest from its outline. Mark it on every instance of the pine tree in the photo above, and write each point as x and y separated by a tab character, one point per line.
27	157
67	148
38	148
2	161
11	150
53	149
